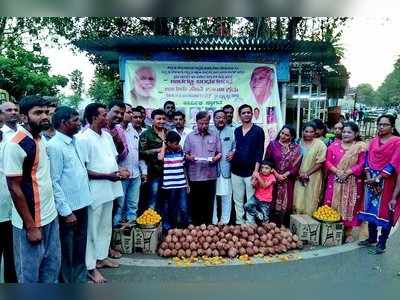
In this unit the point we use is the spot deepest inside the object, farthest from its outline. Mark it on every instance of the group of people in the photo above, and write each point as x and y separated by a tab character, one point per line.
64	186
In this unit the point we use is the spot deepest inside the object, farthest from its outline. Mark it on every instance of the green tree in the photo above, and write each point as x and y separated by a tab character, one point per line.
389	91
105	86
327	29
25	72
366	94
77	86
337	81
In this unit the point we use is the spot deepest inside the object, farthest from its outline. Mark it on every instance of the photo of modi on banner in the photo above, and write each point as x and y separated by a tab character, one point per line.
195	86
143	85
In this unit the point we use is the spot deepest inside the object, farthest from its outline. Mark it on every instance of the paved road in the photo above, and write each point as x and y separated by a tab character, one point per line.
352	275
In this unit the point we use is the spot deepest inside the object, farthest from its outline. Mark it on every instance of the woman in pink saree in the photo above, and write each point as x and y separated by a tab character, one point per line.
286	156
382	166
345	165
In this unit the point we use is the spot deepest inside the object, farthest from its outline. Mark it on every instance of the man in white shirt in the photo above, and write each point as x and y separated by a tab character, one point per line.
11	118
10	115
37	250
99	154
180	122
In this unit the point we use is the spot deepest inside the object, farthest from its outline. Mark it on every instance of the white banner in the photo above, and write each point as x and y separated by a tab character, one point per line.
195	86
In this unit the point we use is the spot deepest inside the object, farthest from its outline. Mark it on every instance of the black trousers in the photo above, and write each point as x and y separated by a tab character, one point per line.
6	249
373	235
202	194
73	248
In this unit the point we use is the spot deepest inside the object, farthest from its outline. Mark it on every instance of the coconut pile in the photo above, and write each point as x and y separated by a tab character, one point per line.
228	241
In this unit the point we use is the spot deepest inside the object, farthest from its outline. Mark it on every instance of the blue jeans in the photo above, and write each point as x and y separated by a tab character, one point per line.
127	205
39	262
154	186
175	210
256	209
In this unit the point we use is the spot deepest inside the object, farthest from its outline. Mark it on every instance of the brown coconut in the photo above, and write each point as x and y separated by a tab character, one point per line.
167	252
193	246
188	253
232	252
249	251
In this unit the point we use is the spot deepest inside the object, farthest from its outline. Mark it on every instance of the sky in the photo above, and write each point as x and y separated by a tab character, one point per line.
372	45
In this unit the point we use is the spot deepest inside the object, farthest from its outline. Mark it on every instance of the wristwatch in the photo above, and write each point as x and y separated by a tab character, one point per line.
378	179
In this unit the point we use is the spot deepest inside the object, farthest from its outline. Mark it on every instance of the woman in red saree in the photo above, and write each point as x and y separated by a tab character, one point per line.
286	156
345	166
382	166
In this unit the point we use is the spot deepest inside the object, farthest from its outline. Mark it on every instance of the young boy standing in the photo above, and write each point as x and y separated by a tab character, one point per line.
258	205
174	183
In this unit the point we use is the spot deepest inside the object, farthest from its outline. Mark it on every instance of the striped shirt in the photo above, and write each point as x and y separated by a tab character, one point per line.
26	157
174	174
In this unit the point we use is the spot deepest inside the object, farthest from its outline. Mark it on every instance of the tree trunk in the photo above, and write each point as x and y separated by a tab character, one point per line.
161	26
292	27
279	32
3	22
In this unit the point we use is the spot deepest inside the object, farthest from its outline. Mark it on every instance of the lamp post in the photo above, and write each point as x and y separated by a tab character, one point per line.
355	101
298	103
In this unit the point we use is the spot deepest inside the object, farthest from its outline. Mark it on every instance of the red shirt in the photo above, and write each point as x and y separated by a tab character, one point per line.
265	194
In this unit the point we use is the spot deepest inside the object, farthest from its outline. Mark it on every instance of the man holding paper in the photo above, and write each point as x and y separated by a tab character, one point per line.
203	151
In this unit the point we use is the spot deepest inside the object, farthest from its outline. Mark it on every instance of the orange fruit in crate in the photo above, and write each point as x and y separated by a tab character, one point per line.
149	217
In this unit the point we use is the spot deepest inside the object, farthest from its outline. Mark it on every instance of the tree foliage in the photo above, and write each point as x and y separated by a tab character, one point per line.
337	81
77	87
73	28
389	91
366	94
25	72
105	86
